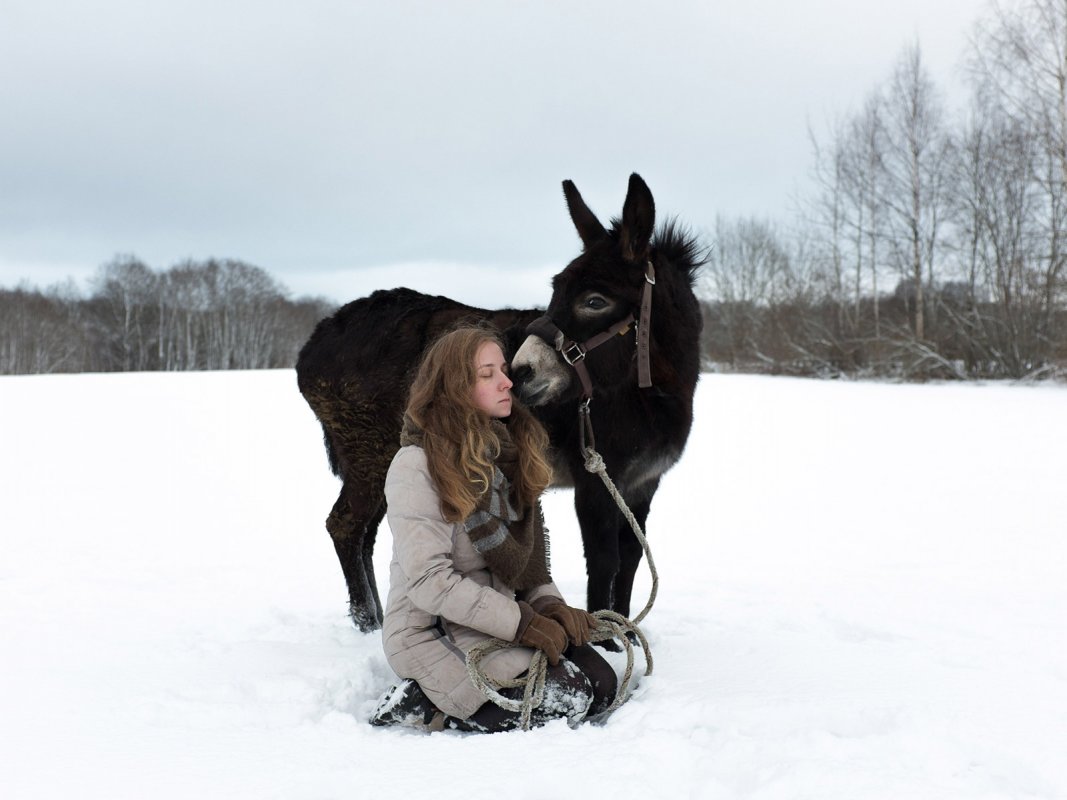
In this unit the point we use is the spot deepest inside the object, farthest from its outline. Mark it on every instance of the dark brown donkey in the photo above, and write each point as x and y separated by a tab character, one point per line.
355	370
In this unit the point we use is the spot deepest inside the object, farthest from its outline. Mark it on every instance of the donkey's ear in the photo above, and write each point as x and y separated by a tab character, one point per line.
638	220
589	227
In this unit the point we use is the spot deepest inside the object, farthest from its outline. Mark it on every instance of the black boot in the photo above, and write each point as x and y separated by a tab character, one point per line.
568	695
407	705
601	675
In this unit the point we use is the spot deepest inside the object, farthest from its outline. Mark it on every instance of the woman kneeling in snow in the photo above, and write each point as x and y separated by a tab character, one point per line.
469	553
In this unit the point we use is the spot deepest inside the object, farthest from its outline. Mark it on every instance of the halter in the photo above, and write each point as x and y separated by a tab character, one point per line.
574	352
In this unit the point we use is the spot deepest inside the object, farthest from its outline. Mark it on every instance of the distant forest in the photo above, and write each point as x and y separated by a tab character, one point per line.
931	246
194	316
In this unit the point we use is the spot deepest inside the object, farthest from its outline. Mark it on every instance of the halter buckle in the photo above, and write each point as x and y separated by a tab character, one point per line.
572	353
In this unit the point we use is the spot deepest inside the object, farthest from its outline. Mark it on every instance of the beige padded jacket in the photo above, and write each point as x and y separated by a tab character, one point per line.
442	598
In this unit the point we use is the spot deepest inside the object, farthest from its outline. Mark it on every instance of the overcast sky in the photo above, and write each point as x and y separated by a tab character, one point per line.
348	146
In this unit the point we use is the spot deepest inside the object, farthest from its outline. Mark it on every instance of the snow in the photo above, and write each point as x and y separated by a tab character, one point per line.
862	596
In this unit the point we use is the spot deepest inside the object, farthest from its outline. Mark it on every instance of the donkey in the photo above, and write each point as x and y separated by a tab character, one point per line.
621	336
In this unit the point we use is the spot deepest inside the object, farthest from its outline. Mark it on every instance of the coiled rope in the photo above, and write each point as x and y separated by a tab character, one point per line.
610	624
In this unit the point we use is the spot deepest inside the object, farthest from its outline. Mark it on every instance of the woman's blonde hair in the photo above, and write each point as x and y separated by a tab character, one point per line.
458	439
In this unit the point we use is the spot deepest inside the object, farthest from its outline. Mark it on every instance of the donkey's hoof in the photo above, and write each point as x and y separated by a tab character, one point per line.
365	620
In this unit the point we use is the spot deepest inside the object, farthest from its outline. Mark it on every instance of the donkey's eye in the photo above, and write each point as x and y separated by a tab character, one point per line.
591	305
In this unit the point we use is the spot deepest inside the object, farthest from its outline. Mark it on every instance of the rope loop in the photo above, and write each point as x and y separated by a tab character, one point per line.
610	626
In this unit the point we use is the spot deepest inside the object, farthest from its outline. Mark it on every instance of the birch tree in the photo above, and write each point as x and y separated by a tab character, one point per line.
916	148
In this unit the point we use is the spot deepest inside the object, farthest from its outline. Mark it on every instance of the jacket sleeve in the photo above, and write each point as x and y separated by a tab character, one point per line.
422	540
544	590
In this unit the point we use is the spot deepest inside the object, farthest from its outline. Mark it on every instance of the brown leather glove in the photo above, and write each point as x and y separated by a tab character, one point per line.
577	623
541	633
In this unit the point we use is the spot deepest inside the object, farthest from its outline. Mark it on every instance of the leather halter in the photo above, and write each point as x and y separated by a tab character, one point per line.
574	353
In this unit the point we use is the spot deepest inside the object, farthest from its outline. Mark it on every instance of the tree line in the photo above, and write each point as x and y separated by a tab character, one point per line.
933	243
194	316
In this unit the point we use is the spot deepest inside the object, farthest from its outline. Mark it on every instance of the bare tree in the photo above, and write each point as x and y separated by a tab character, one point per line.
916	148
1019	67
828	215
38	331
864	181
126	288
748	277
996	200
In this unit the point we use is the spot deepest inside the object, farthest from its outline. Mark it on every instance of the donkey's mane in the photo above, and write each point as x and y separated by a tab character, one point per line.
678	244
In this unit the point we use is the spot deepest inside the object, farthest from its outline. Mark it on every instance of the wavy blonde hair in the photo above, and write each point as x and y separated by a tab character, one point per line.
459	441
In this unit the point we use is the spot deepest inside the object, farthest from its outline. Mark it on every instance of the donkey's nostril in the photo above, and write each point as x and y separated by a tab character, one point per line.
520	375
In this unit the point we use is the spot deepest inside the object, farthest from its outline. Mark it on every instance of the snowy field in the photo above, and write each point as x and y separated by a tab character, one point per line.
863	595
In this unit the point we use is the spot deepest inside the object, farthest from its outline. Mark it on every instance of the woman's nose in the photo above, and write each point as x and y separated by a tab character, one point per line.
507	384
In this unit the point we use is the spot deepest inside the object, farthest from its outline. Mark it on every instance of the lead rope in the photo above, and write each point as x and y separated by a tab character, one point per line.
595	463
610	624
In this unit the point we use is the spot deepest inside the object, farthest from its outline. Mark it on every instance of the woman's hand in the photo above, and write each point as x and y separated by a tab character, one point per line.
541	633
577	624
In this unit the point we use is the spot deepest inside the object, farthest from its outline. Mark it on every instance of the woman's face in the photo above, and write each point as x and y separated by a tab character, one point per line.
492	387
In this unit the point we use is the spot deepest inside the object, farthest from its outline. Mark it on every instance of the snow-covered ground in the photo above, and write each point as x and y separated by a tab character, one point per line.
863	595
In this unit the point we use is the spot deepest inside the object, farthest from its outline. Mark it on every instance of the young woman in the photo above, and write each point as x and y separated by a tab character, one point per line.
470	554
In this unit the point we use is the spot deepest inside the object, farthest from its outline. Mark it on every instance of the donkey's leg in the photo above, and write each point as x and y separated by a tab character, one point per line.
630	552
348	527
364	442
362	428
368	562
599	522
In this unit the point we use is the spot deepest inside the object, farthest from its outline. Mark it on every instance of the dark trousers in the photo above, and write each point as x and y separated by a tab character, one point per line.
582	678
